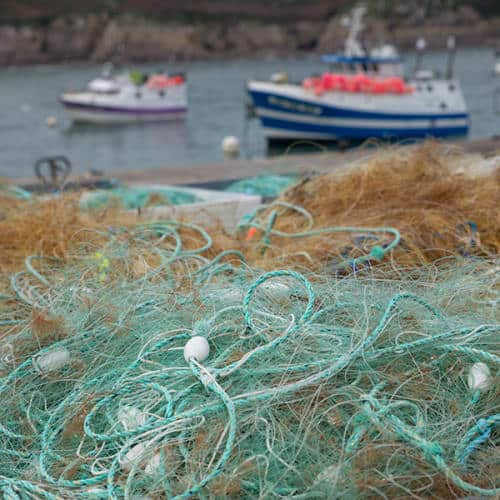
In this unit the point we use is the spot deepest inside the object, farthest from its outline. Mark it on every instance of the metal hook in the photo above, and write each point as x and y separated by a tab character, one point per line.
53	170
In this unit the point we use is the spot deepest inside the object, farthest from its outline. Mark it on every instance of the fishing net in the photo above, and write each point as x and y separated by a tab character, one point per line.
48	227
378	383
268	186
335	347
52	227
438	209
132	197
10	191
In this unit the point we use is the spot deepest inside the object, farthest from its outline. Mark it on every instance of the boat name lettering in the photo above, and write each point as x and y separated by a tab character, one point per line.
302	108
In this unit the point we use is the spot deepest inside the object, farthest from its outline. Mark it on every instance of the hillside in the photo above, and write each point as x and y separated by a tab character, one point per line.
26	11
188	10
146	30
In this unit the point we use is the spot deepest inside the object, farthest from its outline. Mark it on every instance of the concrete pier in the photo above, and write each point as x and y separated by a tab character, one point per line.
302	164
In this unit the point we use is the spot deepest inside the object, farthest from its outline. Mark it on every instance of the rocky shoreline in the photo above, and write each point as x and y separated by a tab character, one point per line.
126	39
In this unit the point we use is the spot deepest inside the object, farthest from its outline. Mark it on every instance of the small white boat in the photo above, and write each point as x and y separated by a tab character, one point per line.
126	98
362	96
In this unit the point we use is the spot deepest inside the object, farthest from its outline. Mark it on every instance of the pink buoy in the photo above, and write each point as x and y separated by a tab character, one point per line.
327	81
378	87
318	90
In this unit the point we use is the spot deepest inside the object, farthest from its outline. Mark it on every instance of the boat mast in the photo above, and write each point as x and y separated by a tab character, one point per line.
420	45
451	45
352	46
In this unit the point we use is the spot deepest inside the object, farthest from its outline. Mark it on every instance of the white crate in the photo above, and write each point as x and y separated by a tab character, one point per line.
215	207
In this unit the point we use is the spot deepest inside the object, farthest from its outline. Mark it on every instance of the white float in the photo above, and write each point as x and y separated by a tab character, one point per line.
196	348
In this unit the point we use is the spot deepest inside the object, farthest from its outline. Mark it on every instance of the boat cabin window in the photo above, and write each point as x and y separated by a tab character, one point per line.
107	92
103	86
334	68
389	69
371	66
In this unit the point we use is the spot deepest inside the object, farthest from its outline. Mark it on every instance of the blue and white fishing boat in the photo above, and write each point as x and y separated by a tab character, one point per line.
125	98
365	98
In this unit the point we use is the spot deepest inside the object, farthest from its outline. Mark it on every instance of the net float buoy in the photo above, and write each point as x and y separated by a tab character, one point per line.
52	360
131	418
153	466
133	456
196	348
479	378
136	456
230	145
51	121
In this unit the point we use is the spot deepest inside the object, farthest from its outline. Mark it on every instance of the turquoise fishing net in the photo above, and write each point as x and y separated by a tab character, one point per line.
13	191
316	385
137	197
266	185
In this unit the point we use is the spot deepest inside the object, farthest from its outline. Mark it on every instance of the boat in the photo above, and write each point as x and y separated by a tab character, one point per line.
128	97
361	96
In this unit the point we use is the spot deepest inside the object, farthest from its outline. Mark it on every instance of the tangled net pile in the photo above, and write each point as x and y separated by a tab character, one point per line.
440	210
344	361
376	383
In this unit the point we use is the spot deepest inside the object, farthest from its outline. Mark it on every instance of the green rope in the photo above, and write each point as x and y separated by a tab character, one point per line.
376	253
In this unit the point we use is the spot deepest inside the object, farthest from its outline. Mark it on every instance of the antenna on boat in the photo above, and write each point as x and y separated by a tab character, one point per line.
420	46
250	113
108	68
451	45
355	22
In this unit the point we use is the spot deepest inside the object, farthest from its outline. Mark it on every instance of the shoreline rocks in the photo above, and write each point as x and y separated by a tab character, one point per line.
100	38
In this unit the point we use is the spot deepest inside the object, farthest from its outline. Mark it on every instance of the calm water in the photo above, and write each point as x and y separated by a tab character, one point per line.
216	92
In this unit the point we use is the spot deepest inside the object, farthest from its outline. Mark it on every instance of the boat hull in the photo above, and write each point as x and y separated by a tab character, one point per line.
128	105
288	112
103	115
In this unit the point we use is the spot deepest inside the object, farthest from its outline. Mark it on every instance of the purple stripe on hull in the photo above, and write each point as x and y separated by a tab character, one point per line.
128	111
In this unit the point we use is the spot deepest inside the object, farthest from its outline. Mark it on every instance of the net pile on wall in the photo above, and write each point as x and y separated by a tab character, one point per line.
343	343
373	383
